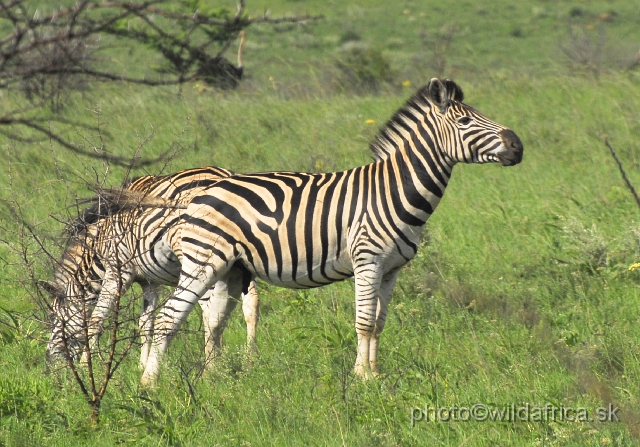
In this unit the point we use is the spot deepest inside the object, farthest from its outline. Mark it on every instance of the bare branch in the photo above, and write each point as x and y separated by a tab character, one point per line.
114	159
47	56
622	171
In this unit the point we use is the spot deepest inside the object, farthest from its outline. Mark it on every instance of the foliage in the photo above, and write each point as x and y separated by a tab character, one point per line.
46	55
364	70
585	50
586	245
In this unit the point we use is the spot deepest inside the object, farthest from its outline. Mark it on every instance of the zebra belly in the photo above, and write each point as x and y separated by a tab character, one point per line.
338	270
305	278
319	271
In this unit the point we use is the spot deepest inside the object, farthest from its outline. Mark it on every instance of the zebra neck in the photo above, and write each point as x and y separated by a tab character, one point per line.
417	179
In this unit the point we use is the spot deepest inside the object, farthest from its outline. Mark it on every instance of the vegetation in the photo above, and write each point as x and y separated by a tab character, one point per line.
521	293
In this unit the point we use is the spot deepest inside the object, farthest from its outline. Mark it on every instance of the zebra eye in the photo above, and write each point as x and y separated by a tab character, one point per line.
464	120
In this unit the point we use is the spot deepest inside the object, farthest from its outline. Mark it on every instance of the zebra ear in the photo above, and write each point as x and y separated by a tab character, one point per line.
437	94
52	288
454	92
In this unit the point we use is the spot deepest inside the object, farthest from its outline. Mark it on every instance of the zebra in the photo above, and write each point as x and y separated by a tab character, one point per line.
301	230
87	271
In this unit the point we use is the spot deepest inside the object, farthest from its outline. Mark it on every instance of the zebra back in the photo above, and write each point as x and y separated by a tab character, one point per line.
79	266
306	230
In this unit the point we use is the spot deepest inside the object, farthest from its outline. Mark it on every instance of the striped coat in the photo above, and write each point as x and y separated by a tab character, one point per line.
109	250
303	230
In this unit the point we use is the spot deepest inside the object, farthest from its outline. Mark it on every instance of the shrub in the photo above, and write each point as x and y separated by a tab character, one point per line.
586	246
364	70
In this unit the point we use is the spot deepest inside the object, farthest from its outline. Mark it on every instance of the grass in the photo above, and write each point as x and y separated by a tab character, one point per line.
520	294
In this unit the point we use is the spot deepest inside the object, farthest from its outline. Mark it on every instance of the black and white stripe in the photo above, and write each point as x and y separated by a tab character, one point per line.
107	252
303	230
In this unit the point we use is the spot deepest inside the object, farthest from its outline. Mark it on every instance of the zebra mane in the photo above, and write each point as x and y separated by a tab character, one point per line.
143	181
381	146
111	201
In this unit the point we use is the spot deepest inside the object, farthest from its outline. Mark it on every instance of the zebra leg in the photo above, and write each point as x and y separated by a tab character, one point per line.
367	281
149	304
251	310
386	287
219	302
217	305
195	280
115	283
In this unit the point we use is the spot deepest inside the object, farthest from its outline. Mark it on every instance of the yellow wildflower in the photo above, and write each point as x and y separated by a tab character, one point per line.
406	83
201	88
634	266
370	121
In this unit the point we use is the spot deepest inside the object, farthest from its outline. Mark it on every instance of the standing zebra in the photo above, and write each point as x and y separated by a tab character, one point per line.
109	249
302	230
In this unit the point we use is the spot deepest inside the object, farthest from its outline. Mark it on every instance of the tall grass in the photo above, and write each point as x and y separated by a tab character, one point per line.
498	307
521	291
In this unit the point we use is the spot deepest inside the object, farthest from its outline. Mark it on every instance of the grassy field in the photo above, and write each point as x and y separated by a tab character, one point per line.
521	293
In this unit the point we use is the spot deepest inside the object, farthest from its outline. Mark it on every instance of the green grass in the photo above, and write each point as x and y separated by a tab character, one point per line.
508	300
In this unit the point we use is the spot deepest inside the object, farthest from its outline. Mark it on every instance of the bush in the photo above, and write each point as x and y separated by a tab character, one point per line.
586	246
364	70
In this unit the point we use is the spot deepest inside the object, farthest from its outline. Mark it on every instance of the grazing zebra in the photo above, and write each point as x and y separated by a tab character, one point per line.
108	251
302	230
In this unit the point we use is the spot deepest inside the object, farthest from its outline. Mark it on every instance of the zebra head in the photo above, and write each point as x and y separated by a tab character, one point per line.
75	287
466	135
72	301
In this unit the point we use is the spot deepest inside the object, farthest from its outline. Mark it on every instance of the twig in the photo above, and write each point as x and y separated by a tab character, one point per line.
622	171
114	159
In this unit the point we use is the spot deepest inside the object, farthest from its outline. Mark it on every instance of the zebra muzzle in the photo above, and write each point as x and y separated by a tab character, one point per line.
513	148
